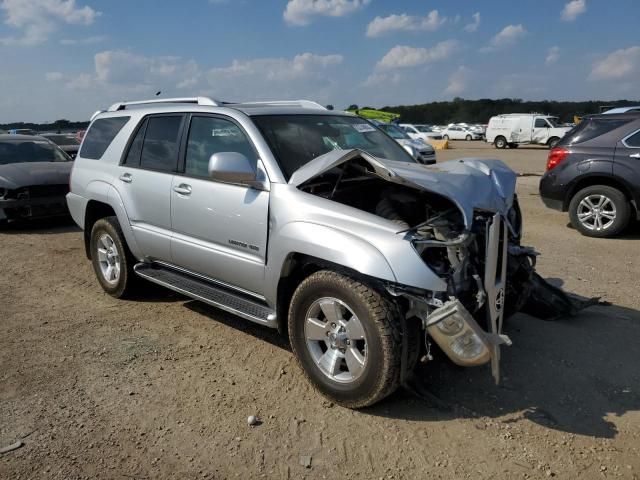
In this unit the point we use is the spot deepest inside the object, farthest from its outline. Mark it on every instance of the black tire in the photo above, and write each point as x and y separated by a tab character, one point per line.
468	138
381	372
127	280
513	145
617	198
500	142
445	137
553	141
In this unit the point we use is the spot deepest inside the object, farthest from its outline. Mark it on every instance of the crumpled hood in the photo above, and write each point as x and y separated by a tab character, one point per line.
470	183
16	175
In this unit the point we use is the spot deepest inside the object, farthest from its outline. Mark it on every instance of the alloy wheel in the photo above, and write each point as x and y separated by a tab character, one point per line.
596	212
336	339
108	258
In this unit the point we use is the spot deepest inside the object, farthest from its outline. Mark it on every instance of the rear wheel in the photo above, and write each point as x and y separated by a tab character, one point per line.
112	261
500	142
346	337
599	211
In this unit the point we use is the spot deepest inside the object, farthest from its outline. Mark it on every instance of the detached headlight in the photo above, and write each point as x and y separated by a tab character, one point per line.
450	325
468	345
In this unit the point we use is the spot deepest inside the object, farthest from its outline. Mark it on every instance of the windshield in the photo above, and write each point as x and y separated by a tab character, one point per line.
295	140
424	129
394	132
31	151
63	140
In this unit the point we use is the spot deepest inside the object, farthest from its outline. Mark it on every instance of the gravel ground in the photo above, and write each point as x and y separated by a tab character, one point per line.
161	387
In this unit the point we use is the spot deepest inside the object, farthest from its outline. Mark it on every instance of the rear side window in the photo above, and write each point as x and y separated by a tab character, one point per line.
591	128
633	140
100	135
161	143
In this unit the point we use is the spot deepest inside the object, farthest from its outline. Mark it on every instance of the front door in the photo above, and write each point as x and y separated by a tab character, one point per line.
144	183
219	229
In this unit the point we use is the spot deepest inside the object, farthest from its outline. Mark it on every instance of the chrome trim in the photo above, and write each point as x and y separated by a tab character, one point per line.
624	140
209	279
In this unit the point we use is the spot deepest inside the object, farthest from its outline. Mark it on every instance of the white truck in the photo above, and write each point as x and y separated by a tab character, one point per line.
513	129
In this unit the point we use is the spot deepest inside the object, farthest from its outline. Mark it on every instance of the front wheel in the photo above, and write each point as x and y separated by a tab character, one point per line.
599	211
111	259
553	141
468	138
445	137
346	338
500	142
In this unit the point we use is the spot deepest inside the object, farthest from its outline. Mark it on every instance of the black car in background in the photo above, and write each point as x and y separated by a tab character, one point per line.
594	174
34	178
67	142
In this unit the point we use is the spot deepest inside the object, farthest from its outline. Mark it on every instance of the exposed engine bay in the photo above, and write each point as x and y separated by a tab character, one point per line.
468	250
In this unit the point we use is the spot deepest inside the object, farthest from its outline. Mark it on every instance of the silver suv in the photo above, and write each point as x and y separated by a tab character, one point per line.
311	221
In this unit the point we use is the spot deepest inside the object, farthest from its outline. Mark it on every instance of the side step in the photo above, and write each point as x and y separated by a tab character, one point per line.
207	292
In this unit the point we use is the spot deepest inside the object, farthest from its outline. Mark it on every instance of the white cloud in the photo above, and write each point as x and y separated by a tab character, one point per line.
38	19
573	9
458	81
301	12
403	22
402	56
618	65
506	37
53	76
553	55
84	41
473	26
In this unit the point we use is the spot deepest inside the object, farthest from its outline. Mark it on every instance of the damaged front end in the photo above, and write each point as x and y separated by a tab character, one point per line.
463	220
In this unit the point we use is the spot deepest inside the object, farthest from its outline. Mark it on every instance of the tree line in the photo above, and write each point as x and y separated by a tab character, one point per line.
480	111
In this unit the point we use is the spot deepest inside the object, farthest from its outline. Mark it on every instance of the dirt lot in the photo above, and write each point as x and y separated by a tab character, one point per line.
162	387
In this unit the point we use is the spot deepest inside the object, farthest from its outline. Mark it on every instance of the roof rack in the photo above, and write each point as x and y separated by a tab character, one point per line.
281	103
197	100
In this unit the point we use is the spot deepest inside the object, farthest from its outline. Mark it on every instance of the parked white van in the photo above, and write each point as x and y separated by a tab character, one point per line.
514	129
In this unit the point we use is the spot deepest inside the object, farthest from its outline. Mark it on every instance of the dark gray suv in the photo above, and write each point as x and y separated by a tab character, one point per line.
594	174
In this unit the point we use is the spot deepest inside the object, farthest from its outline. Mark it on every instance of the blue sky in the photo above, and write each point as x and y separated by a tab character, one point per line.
66	58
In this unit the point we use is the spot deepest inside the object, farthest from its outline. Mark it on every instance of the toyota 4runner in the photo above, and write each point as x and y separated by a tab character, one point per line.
311	221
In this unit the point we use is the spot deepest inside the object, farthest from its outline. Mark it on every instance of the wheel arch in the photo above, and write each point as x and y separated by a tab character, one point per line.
591	180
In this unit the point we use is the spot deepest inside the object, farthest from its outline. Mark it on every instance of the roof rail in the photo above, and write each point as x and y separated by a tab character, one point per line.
198	100
282	103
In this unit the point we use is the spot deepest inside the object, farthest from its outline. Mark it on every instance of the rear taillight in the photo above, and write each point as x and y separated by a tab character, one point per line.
556	155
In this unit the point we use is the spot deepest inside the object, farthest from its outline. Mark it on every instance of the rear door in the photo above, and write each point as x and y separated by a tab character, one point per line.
144	182
627	160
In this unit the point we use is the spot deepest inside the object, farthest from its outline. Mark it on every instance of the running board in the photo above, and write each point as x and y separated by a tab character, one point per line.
198	289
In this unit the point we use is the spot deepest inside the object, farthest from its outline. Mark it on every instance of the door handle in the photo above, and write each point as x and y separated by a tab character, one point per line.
126	178
183	189
635	155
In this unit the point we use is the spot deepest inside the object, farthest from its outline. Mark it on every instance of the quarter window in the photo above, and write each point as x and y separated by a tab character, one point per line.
209	135
161	143
100	135
633	140
135	149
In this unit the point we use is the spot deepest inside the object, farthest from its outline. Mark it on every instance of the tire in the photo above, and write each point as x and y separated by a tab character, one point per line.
468	138
605	199
500	142
377	342
108	247
445	137
553	141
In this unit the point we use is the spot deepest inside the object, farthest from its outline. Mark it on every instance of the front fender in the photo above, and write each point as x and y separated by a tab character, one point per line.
325	243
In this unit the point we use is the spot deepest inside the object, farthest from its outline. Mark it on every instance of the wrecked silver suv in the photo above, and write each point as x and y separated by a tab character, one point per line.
310	221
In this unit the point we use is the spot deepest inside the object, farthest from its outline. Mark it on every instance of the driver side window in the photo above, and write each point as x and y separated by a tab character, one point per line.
541	123
209	135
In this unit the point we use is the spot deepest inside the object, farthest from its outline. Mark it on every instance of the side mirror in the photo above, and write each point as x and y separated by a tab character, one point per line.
231	167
